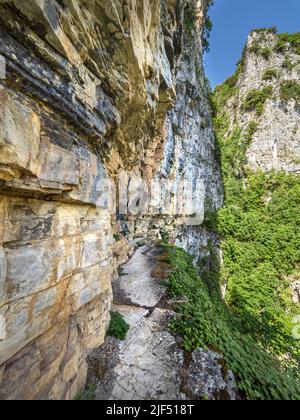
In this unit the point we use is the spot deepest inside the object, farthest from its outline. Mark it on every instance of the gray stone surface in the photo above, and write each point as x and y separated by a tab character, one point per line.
146	366
295	287
135	285
150	363
207	378
97	87
131	314
276	142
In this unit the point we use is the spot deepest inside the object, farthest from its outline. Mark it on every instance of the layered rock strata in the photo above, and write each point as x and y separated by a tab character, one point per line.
91	88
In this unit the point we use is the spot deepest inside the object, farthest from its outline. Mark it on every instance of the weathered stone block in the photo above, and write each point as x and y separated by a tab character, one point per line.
35	267
19	138
28	318
102	93
93	181
34	367
31	220
88	285
57	165
92	247
93	320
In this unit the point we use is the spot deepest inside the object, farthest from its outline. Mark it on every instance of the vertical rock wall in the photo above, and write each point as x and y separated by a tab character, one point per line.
92	87
270	60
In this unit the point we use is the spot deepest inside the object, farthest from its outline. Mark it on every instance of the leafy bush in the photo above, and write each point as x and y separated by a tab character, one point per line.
89	394
285	41
261	246
288	64
255	48
117	237
256	99
227	89
118	326
210	219
270	74
207	322
272	30
190	19
290	90
266	53
237	142
292	39
259	228
280	47
206	33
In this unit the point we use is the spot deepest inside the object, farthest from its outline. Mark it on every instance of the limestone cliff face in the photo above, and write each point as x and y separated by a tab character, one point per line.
266	91
92	88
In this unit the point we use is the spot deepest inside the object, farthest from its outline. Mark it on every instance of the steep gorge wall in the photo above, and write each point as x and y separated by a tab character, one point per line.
256	114
271	62
92	88
257	120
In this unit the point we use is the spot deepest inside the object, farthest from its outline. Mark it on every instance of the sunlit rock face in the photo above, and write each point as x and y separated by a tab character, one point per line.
268	61
92	88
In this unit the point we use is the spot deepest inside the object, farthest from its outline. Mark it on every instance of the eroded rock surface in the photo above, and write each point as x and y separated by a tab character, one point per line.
208	378
150	363
147	366
91	88
275	145
135	284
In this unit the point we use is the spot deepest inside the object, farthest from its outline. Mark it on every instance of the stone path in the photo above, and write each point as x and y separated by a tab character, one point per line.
149	364
136	286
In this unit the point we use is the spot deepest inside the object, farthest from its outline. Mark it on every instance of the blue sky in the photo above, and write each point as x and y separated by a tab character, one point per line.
233	20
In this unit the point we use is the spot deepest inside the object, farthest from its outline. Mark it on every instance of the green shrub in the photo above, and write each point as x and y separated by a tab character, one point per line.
89	394
256	99
285	41
206	33
227	89
288	64
255	48
292	39
207	322
290	90
261	241
190	19
280	47
118	326
210	219
234	155
259	228
232	81
272	30
266	53
271	74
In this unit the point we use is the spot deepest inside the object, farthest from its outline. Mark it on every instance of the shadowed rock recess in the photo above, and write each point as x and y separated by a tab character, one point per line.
92	88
